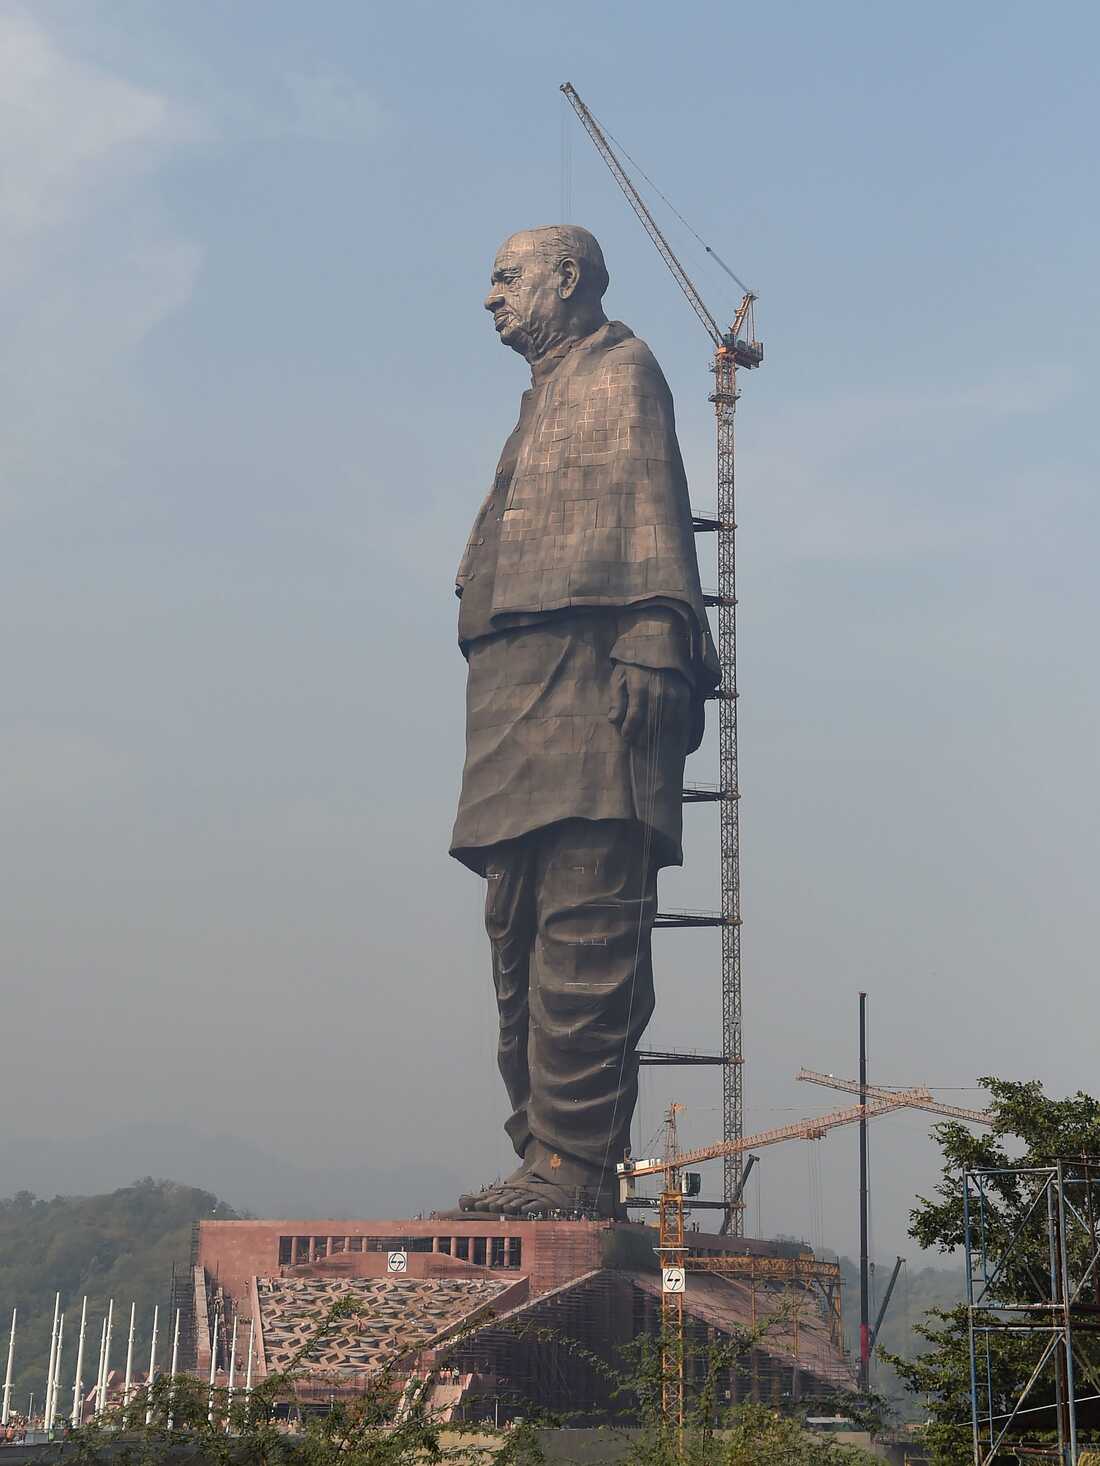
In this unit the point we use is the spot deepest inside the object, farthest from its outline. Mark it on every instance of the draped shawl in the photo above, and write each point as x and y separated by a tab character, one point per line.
597	513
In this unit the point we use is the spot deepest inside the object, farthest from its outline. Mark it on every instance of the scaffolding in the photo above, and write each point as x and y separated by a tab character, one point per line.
1032	1239
818	1279
181	1300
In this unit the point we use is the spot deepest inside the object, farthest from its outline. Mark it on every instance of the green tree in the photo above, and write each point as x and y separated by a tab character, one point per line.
1029	1129
747	1434
120	1245
391	1422
757	1434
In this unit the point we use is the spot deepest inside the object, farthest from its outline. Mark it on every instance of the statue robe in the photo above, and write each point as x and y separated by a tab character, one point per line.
582	556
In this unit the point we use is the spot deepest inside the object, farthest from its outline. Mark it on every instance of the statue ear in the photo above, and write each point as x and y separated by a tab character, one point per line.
569	277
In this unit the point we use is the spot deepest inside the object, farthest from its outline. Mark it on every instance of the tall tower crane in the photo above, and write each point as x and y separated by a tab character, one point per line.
733	348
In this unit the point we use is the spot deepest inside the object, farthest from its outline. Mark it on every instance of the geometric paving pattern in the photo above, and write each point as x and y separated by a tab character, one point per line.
392	1315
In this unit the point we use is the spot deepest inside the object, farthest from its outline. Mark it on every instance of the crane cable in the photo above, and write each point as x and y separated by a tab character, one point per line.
668	202
566	162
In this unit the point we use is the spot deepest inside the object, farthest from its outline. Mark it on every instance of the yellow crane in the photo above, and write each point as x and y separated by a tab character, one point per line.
876	1091
670	1211
673	1164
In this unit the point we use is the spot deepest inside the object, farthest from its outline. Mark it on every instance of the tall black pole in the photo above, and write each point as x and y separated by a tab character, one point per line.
864	1298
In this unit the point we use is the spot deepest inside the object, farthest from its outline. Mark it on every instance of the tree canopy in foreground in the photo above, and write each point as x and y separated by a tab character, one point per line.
1029	1129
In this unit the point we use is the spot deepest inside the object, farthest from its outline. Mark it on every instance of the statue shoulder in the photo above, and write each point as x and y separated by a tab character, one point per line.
621	349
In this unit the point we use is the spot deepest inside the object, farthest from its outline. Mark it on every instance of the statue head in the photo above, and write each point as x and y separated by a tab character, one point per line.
547	287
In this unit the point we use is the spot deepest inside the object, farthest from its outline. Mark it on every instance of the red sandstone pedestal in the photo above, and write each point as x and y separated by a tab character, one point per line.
510	1307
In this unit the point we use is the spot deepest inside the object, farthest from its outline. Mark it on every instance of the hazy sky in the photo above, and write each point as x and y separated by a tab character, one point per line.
252	404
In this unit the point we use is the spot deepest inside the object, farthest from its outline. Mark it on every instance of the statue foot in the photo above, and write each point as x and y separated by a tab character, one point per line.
535	1196
486	1199
546	1182
478	1200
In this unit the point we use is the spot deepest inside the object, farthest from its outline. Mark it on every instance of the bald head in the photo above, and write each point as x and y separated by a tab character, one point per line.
547	285
560	242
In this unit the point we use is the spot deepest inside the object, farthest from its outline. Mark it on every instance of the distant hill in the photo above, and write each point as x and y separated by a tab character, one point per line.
119	1246
123	1242
917	1291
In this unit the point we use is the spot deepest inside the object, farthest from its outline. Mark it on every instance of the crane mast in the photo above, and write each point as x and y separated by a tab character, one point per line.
731	350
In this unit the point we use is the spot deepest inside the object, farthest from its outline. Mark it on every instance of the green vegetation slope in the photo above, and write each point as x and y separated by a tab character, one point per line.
122	1246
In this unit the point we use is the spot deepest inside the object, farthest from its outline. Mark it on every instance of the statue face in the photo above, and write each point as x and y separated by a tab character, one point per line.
527	296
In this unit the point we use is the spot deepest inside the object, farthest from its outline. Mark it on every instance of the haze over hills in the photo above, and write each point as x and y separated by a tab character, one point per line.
918	1289
258	1180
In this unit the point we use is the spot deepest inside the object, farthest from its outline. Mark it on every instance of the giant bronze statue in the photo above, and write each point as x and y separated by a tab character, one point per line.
589	656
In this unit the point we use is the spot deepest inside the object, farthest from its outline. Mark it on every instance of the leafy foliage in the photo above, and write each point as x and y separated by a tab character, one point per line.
1029	1129
714	1434
121	1245
391	1423
758	1434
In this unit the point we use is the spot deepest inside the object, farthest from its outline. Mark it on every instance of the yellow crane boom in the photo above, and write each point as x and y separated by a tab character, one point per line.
671	1248
813	1128
637	203
852	1086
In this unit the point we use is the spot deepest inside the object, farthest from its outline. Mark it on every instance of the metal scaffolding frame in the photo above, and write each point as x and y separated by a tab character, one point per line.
1032	1239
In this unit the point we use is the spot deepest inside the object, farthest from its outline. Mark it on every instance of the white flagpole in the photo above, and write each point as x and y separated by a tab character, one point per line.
98	1405
53	1357
248	1371
232	1373
56	1373
107	1356
213	1370
78	1401
152	1367
172	1371
129	1358
5	1409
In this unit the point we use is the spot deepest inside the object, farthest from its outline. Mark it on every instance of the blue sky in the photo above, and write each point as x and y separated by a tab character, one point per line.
253	403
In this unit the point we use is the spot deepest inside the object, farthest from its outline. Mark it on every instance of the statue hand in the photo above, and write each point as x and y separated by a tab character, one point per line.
642	700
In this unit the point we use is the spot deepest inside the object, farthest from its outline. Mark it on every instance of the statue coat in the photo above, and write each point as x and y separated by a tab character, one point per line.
581	556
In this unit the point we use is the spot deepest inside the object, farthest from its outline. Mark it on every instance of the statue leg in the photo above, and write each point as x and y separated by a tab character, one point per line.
510	923
591	996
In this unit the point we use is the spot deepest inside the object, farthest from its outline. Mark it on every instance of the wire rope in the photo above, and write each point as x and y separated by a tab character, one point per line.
669	204
566	162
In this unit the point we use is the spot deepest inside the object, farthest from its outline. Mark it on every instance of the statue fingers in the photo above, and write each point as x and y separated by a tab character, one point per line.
616	712
637	711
